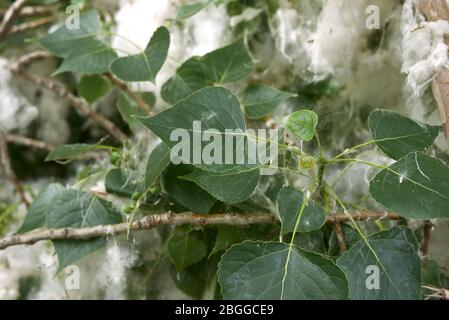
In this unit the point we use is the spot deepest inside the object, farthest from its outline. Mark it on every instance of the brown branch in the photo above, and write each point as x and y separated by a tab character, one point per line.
79	104
24	61
434	10
340	237
123	87
9	171
8	20
31	11
28	142
153	221
30	25
426	238
362	216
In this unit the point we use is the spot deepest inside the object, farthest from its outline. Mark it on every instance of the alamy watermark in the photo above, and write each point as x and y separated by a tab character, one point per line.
372	281
72	22
231	147
72	280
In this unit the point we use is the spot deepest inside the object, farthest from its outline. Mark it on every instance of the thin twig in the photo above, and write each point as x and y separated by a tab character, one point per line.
8	20
340	237
426	238
30	25
31	11
28	142
24	61
79	104
123	87
9	171
152	221
362	216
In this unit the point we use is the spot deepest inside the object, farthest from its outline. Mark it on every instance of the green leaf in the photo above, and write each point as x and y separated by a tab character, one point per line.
144	66
93	87
302	124
213	108
81	48
416	186
186	247
222	185
260	100
226	237
129	110
158	161
88	56
228	64
64	40
218	109
196	279
397	135
259	270
77	209
394	255
117	182
37	212
190	281
189	77
311	241
185	192
71	151
189	10
289	202
224	65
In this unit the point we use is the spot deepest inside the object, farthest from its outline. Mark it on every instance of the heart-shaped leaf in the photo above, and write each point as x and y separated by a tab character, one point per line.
64	40
397	135
228	64
302	124
37	212
77	209
260	270
385	266
144	66
416	186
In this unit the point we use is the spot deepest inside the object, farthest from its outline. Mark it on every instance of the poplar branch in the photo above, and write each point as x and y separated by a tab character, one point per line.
9	17
152	221
30	25
31	11
79	104
427	229
28	142
340	237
